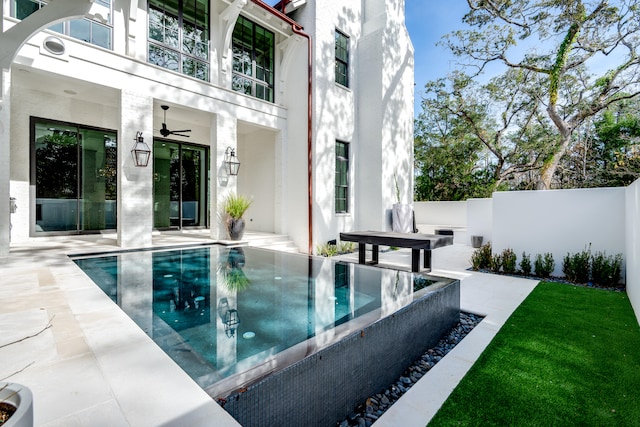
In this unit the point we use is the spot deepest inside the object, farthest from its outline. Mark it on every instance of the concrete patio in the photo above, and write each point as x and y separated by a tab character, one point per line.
95	366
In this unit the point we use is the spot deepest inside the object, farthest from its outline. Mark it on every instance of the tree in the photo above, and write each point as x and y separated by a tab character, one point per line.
448	160
499	122
566	38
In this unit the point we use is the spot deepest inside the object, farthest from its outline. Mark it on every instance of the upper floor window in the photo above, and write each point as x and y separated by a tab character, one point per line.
96	31
342	177
253	59
179	36
342	59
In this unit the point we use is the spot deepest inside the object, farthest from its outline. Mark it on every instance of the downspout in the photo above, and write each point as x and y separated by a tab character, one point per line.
297	29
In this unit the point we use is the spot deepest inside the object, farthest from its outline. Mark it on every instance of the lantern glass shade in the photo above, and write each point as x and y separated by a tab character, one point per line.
141	152
231	162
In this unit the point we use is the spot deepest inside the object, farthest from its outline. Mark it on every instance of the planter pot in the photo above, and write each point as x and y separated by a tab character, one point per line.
20	397
476	241
235	228
402	218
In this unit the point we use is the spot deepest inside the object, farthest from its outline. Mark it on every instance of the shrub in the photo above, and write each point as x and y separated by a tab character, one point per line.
330	249
606	270
481	257
346	247
544	265
509	260
525	264
495	263
577	267
327	250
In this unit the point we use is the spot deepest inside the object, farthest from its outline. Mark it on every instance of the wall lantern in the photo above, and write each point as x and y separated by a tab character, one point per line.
231	322
141	151
231	162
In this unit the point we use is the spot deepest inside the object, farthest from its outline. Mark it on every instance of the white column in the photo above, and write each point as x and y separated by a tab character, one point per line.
5	160
224	133
135	184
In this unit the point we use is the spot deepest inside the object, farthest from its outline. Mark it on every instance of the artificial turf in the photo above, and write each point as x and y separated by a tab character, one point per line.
568	356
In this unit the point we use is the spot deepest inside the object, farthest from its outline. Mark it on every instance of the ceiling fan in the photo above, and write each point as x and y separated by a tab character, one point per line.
166	132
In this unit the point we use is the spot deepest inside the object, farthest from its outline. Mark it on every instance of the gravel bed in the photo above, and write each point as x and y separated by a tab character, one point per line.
368	412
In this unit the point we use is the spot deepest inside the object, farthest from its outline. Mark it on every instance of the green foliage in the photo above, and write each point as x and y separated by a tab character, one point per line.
544	265
525	264
563	358
448	157
329	249
235	205
495	263
509	261
606	271
577	267
481	257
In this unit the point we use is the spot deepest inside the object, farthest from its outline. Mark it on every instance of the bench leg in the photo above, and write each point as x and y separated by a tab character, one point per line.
415	260
427	259
362	251
375	251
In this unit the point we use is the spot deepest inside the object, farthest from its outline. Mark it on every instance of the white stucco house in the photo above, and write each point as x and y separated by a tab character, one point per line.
314	99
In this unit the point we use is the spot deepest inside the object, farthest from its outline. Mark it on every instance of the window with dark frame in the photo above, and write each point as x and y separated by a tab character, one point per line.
342	177
253	59
342	59
178	36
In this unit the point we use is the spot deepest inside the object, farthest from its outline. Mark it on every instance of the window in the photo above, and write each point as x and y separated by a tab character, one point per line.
253	57
95	31
74	171
342	59
179	36
342	177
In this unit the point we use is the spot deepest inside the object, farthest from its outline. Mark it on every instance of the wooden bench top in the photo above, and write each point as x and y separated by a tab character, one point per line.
401	240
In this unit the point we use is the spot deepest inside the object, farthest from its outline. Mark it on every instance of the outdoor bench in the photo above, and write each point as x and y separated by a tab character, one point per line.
415	242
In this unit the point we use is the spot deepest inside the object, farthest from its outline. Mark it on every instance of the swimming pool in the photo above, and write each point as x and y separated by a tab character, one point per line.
231	316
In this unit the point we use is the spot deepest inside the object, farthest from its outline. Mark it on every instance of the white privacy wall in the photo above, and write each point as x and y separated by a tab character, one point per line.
480	219
453	214
559	221
633	245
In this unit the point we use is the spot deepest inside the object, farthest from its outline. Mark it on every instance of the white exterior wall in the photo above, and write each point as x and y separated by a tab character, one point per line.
480	219
118	90
95	78
374	114
559	221
441	214
632	223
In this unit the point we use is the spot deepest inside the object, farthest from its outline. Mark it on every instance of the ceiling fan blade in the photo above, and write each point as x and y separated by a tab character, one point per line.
179	134
183	130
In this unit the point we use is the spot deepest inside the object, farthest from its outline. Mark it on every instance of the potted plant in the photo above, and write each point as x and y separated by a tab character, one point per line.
233	208
16	405
230	266
401	214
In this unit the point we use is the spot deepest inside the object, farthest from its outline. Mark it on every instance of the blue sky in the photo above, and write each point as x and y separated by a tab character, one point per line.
427	22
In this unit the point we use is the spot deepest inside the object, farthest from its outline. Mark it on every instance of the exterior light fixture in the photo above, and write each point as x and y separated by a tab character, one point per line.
54	45
231	162
231	322
141	151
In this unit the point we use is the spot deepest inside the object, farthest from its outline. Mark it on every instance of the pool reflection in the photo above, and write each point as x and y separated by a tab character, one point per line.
236	314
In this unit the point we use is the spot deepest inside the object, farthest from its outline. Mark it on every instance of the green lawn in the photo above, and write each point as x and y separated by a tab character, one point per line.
568	356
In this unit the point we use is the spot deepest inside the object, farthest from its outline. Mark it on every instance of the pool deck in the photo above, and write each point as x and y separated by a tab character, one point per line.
94	366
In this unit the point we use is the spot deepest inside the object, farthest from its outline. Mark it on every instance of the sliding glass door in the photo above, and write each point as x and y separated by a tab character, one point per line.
74	173
180	185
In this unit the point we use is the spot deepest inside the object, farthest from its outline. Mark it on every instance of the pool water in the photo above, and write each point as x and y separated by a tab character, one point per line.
229	315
